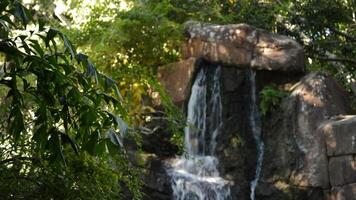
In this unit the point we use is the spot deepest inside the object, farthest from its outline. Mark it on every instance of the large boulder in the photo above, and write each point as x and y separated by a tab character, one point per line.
242	45
277	52
295	152
228	44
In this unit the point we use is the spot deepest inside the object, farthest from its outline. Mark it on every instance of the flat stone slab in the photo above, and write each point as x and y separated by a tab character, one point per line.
342	170
340	135
243	46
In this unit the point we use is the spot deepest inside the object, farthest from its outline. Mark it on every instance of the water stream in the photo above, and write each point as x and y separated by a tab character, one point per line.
255	123
195	175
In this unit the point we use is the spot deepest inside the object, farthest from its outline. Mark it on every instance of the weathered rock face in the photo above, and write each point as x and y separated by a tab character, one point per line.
241	45
340	139
237	45
157	182
342	170
340	135
277	52
177	78
295	152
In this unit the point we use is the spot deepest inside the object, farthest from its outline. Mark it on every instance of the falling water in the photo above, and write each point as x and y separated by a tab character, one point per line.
195	175
255	124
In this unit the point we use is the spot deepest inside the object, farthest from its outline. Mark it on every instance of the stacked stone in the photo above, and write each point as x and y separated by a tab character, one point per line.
340	140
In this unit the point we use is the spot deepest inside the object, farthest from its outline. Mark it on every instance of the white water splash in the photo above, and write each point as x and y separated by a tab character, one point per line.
195	175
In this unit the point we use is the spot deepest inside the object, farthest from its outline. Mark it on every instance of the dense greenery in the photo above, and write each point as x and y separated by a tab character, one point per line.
63	121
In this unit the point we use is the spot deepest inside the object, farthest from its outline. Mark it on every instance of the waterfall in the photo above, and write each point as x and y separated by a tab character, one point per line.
195	175
255	123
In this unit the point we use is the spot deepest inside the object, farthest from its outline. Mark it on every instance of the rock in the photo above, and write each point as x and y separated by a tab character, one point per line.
236	148
228	44
340	135
342	170
294	150
157	184
277	52
232	79
155	136
243	46
176	78
346	192
282	191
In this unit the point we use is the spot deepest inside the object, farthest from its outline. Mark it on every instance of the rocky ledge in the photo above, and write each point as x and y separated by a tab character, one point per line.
241	45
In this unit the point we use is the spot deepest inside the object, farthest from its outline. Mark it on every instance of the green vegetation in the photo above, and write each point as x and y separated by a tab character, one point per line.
62	122
270	98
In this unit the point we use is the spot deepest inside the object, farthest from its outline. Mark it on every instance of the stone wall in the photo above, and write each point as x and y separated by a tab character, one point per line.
340	140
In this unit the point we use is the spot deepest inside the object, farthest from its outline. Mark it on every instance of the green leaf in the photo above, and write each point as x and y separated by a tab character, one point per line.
3	5
50	36
9	49
22	13
93	140
16	121
100	147
7	19
120	123
41	135
91	71
67	139
88	117
68	45
55	145
36	46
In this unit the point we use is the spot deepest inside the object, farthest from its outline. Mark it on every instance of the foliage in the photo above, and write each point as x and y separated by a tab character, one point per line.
54	98
270	98
85	177
327	31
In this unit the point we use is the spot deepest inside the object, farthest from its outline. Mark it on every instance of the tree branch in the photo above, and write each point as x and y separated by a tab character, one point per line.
18	159
347	36
336	59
